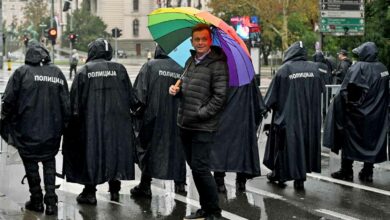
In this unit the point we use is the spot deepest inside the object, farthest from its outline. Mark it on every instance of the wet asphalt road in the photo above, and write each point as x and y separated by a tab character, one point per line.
323	197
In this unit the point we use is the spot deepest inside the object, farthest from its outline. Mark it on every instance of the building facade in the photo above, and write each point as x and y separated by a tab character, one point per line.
132	18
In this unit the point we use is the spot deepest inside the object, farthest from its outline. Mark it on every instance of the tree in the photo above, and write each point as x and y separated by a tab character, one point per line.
88	27
283	21
35	12
86	5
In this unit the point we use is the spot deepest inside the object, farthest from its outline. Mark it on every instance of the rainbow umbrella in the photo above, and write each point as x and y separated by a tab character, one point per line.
171	29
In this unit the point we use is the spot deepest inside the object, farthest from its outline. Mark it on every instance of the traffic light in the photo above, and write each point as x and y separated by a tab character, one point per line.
72	37
66	5
52	35
25	40
116	32
113	32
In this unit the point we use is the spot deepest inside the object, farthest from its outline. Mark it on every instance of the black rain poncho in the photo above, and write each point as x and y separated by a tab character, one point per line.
357	119
235	146
159	148
99	144
294	142
324	66
35	106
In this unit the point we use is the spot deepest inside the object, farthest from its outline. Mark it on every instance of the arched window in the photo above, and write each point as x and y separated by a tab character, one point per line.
135	27
135	5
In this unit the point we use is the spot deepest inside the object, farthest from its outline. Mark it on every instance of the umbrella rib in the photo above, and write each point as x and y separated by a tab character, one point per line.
192	22
191	17
231	68
246	59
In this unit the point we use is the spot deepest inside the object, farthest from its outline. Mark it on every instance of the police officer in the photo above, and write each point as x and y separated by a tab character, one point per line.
343	66
35	110
160	151
357	121
294	96
99	144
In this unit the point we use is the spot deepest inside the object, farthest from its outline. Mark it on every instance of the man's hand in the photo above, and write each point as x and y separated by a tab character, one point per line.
173	90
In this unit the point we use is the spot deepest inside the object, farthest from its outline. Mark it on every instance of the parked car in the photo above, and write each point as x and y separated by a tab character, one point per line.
122	54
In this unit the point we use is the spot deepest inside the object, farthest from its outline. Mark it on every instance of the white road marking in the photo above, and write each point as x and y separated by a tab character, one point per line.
336	214
195	203
76	189
259	191
345	183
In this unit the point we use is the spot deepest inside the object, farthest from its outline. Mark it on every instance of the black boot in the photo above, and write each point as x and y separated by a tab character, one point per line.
365	175
240	182
219	178
199	214
51	201
143	188
141	191
87	196
272	177
34	205
346	172
51	209
180	187
114	188
34	182
49	177
299	184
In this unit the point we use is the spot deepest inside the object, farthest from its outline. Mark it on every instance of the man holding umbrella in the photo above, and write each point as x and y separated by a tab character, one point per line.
203	94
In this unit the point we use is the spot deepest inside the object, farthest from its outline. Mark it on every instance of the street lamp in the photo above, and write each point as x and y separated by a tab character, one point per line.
68	7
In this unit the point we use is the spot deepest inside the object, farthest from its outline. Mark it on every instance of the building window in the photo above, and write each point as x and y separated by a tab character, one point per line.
135	5
135	27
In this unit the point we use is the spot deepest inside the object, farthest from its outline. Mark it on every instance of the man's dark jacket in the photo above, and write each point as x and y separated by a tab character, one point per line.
294	142
99	144
159	149
357	119
235	146
35	106
204	91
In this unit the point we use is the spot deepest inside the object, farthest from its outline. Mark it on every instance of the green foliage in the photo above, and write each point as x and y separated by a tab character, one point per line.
230	8
300	29
35	12
88	28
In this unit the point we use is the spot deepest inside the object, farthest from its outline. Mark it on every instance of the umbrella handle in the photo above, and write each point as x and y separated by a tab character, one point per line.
178	82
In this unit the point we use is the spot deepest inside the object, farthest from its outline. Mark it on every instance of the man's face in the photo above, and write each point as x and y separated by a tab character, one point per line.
201	41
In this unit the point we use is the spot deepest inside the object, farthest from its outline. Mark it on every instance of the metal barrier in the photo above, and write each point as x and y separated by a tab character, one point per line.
330	92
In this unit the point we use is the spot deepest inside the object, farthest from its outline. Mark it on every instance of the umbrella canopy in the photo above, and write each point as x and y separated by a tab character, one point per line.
171	28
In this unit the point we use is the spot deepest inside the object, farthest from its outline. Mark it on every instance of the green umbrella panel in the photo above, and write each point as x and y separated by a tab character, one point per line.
170	29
